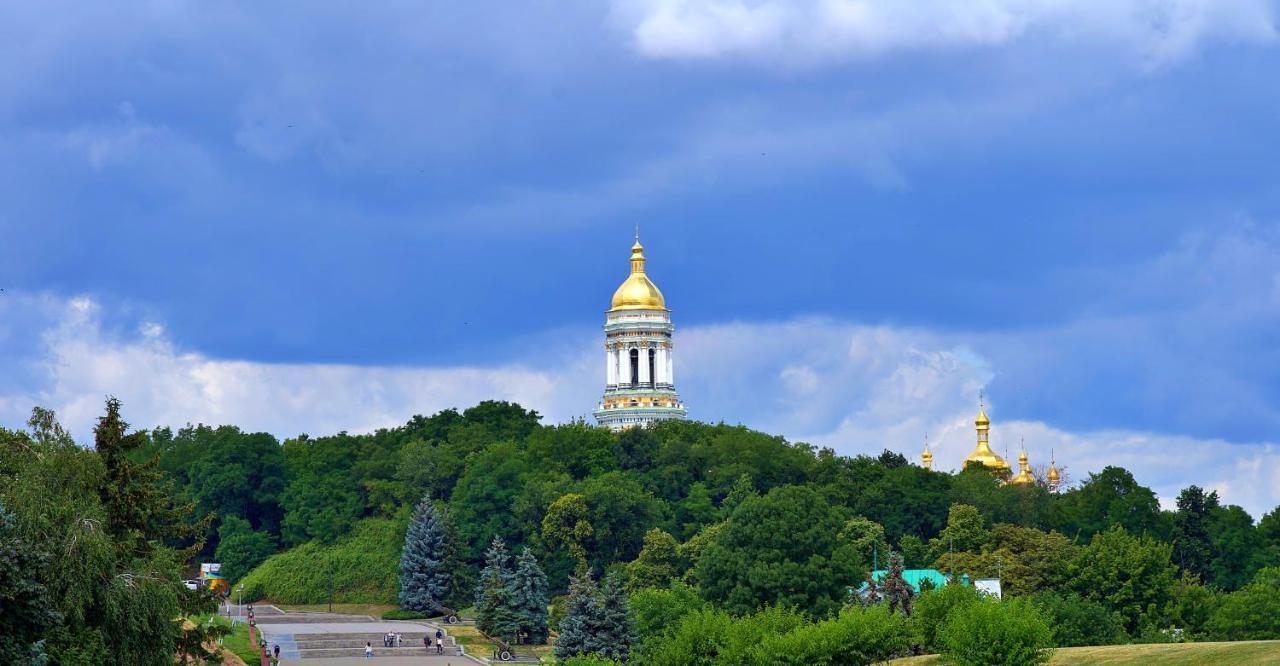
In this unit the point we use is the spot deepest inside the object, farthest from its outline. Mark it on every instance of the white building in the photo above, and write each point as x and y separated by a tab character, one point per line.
640	384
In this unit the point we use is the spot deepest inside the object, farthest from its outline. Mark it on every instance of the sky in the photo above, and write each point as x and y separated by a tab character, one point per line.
305	218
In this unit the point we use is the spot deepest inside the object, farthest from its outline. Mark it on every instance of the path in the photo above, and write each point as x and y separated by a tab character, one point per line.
335	639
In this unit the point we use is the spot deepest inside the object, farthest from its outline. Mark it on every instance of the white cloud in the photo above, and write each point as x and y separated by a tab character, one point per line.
815	31
854	388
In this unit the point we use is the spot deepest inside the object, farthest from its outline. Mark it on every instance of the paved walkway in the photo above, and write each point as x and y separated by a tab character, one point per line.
382	661
372	627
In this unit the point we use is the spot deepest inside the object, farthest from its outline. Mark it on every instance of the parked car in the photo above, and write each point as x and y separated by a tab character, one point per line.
192	584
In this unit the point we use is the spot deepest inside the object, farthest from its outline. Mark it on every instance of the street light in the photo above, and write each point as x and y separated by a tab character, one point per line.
240	599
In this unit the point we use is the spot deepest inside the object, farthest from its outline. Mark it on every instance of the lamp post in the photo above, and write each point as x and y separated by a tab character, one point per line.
240	599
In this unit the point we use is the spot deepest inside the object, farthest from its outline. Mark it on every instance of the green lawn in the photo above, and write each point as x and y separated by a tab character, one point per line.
1242	653
237	641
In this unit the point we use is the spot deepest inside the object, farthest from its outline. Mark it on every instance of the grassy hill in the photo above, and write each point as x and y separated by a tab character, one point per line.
364	566
1242	653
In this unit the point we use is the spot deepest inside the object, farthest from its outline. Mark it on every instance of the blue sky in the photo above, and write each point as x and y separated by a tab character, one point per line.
301	218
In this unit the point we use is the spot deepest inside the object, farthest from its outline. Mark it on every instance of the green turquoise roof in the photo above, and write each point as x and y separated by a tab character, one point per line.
914	576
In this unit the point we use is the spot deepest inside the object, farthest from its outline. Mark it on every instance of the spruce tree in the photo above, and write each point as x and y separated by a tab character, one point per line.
897	591
492	601
616	630
581	619
529	597
424	580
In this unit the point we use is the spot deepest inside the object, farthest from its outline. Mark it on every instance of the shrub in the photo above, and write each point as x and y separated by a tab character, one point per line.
659	611
1077	621
856	637
363	567
933	607
1250	613
991	632
402	614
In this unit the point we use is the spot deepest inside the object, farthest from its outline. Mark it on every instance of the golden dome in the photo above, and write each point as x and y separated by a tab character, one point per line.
926	458
1024	477
983	453
1053	476
638	292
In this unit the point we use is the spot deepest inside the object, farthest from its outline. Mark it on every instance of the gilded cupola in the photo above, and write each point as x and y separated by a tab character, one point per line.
982	453
638	292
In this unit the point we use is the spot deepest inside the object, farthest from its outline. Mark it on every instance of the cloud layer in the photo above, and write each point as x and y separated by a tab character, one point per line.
818	31
855	388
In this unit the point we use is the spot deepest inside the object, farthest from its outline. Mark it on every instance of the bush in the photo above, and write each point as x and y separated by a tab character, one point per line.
363	566
932	609
402	614
1250	613
659	611
992	632
856	637
1077	621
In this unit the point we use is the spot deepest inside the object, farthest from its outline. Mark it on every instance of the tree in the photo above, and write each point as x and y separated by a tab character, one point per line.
28	610
915	553
741	490
1239	549
1077	621
657	564
241	548
1192	549
581	619
494	611
657	611
933	607
424	578
896	590
780	548
529	598
616	632
866	537
994	632
567	524
1131	575
1108	498
695	510
140	513
1250	613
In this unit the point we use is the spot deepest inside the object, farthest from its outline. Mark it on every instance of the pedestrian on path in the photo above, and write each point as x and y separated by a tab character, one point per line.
368	650
439	646
426	642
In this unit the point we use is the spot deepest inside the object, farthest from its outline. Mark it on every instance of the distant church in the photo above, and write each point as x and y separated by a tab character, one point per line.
983	454
640	384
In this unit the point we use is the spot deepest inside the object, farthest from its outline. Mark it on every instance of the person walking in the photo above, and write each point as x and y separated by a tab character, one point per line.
426	642
368	650
439	646
276	651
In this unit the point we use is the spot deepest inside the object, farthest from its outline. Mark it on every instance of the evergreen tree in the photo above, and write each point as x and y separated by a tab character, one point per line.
1192	548
581	618
897	591
529	598
616	631
140	515
27	609
424	580
492	600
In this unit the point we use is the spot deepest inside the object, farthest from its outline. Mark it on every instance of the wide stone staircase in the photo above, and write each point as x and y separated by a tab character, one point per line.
332	640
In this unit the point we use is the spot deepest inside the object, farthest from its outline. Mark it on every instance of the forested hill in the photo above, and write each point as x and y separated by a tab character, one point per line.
556	488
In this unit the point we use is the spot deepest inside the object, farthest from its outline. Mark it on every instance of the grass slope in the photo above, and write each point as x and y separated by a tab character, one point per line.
1242	653
364	566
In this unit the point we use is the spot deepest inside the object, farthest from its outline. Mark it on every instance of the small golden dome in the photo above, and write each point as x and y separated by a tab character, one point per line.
638	292
1024	477
982	419
1053	474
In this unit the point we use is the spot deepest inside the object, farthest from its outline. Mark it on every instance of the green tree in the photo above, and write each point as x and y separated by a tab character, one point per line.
866	538
1250	613
1106	499
1078	621
742	489
658	563
657	611
1239	549
780	548
695	510
494	612
915	553
1192	549
933	608
482	500
581	620
424	576
897	592
567	524
991	632
1131	575
615	633
241	548
28	610
529	597
964	532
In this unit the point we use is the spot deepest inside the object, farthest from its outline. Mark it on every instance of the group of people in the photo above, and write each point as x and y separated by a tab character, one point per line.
394	639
